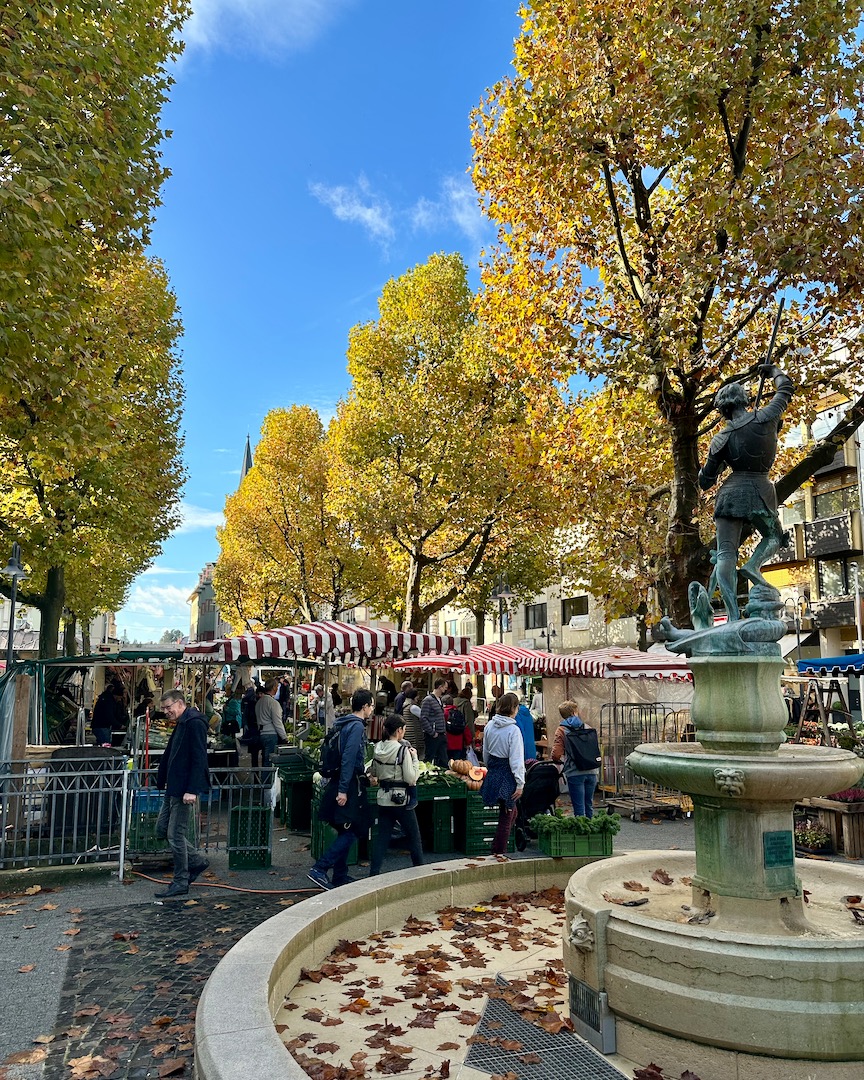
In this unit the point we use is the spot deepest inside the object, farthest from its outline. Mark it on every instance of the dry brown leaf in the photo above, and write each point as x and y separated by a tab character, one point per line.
186	957
27	1057
530	1059
27	967
33	890
89	1010
191	903
686	880
449	1046
325	1048
162	1021
162	1049
173	1067
469	1018
635	886
223	929
221	907
131	951
393	1063
44	1039
118	936
62	948
71	933
511	1044
331	1021
661	876
48	907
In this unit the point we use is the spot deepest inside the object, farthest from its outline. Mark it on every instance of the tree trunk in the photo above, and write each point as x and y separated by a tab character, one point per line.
480	622
51	608
686	557
414	615
70	625
642	626
85	638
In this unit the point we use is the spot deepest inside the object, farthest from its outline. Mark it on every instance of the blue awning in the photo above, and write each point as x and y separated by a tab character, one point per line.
833	665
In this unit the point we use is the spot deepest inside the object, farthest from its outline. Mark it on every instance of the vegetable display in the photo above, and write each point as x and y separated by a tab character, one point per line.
552	824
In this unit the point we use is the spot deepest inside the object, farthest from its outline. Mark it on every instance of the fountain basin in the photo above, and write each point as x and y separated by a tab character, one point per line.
792	992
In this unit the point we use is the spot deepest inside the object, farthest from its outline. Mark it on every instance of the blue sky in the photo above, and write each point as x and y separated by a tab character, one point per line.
319	148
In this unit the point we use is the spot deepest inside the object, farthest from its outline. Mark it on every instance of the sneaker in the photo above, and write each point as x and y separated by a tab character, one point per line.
198	871
320	878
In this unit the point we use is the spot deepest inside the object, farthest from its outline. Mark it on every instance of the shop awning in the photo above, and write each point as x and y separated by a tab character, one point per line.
335	641
833	665
493	659
617	663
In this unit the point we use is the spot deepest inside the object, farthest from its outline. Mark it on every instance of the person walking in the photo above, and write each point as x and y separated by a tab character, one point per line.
576	745
463	703
183	776
399	703
394	767
343	802
268	716
434	725
525	723
504	757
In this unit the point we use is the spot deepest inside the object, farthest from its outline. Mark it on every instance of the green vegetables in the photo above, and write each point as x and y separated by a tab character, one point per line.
434	774
557	823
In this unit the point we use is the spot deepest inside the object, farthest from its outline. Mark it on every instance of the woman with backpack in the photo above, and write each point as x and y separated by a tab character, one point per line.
395	770
458	735
576	745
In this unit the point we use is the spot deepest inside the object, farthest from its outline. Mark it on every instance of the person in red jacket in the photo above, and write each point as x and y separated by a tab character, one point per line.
458	731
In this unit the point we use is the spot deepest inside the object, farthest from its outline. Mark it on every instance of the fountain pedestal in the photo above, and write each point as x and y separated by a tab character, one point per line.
729	956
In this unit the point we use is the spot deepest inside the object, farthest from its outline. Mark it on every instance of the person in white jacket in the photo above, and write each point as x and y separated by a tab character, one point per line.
504	757
395	770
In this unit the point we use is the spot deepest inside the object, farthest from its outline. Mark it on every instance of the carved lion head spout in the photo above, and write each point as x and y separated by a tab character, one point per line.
581	934
729	782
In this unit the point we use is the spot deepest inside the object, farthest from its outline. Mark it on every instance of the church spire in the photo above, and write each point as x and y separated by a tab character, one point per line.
247	460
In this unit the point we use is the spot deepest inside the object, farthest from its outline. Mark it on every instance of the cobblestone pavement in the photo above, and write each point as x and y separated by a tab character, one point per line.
108	979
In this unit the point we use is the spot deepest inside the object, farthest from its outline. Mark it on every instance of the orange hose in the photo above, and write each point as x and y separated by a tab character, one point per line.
233	888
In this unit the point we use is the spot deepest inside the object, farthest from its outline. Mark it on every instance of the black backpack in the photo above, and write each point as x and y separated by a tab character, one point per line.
582	748
454	720
331	753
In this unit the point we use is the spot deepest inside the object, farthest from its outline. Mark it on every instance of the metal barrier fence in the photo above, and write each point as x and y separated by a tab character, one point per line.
71	811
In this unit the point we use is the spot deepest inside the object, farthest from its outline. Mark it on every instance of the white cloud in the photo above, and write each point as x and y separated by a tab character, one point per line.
358	205
457	207
263	26
167	602
162	571
196	517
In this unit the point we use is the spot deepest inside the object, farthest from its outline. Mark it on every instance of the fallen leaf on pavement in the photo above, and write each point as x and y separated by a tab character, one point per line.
27	967
530	1059
126	937
48	907
71	933
27	1057
62	948
449	1046
635	886
33	890
89	1010
325	1048
173	1067
186	957
661	876
44	1039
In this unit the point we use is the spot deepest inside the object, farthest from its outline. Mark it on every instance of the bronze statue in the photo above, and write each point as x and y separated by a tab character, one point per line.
747	446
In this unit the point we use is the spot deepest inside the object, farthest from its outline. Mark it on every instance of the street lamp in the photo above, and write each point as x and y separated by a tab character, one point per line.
14	570
503	594
795	609
550	634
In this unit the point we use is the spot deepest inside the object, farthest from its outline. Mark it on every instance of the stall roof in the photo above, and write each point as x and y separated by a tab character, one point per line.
620	662
333	640
833	665
492	659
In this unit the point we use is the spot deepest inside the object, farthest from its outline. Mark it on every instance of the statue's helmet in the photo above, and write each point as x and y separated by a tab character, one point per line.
729	398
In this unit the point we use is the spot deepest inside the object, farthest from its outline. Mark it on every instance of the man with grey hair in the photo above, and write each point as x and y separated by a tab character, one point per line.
183	776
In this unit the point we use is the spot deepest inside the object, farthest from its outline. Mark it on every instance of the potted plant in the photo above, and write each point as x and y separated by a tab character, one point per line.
558	835
811	837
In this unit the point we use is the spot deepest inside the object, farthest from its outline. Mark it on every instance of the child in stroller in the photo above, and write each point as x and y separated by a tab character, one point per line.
538	797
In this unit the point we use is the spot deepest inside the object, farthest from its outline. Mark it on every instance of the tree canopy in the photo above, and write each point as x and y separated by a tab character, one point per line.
433	444
285	553
661	173
90	517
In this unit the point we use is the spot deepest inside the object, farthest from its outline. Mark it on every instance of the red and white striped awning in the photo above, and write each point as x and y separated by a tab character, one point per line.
493	659
335	641
617	663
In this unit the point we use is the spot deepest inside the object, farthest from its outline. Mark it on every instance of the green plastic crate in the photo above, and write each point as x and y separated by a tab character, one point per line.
437	826
141	837
482	844
441	790
323	836
249	838
295	805
559	845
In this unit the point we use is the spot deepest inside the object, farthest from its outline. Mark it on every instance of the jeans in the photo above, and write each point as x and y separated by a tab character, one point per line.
101	735
268	747
173	823
387	818
336	856
582	787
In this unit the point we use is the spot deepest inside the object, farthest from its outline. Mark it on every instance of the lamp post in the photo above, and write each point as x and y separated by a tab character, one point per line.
550	634
503	594
16	572
793	614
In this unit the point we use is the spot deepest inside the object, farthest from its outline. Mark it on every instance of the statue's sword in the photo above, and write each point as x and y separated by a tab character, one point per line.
767	359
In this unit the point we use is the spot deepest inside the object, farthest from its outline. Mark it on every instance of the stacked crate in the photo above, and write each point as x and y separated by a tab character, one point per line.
249	846
295	800
480	825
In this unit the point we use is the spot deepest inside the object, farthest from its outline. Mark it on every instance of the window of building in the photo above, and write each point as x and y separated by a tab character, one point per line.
506	622
792	513
835	494
573	606
207	607
535	617
833	577
451	627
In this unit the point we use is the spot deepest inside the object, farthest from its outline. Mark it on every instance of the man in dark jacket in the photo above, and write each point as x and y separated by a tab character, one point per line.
434	725
183	776
343	802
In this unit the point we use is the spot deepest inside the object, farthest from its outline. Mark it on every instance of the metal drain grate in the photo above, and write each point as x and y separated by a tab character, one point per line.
560	1055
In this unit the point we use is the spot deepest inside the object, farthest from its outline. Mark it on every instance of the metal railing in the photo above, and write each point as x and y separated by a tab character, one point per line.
66	812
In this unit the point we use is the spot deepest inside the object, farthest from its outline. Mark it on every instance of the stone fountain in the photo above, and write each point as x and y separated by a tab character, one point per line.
744	962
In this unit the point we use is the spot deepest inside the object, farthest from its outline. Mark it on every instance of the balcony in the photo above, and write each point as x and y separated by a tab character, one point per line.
836	612
833	536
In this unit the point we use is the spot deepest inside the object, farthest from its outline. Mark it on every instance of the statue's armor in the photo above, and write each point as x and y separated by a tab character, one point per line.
747	446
